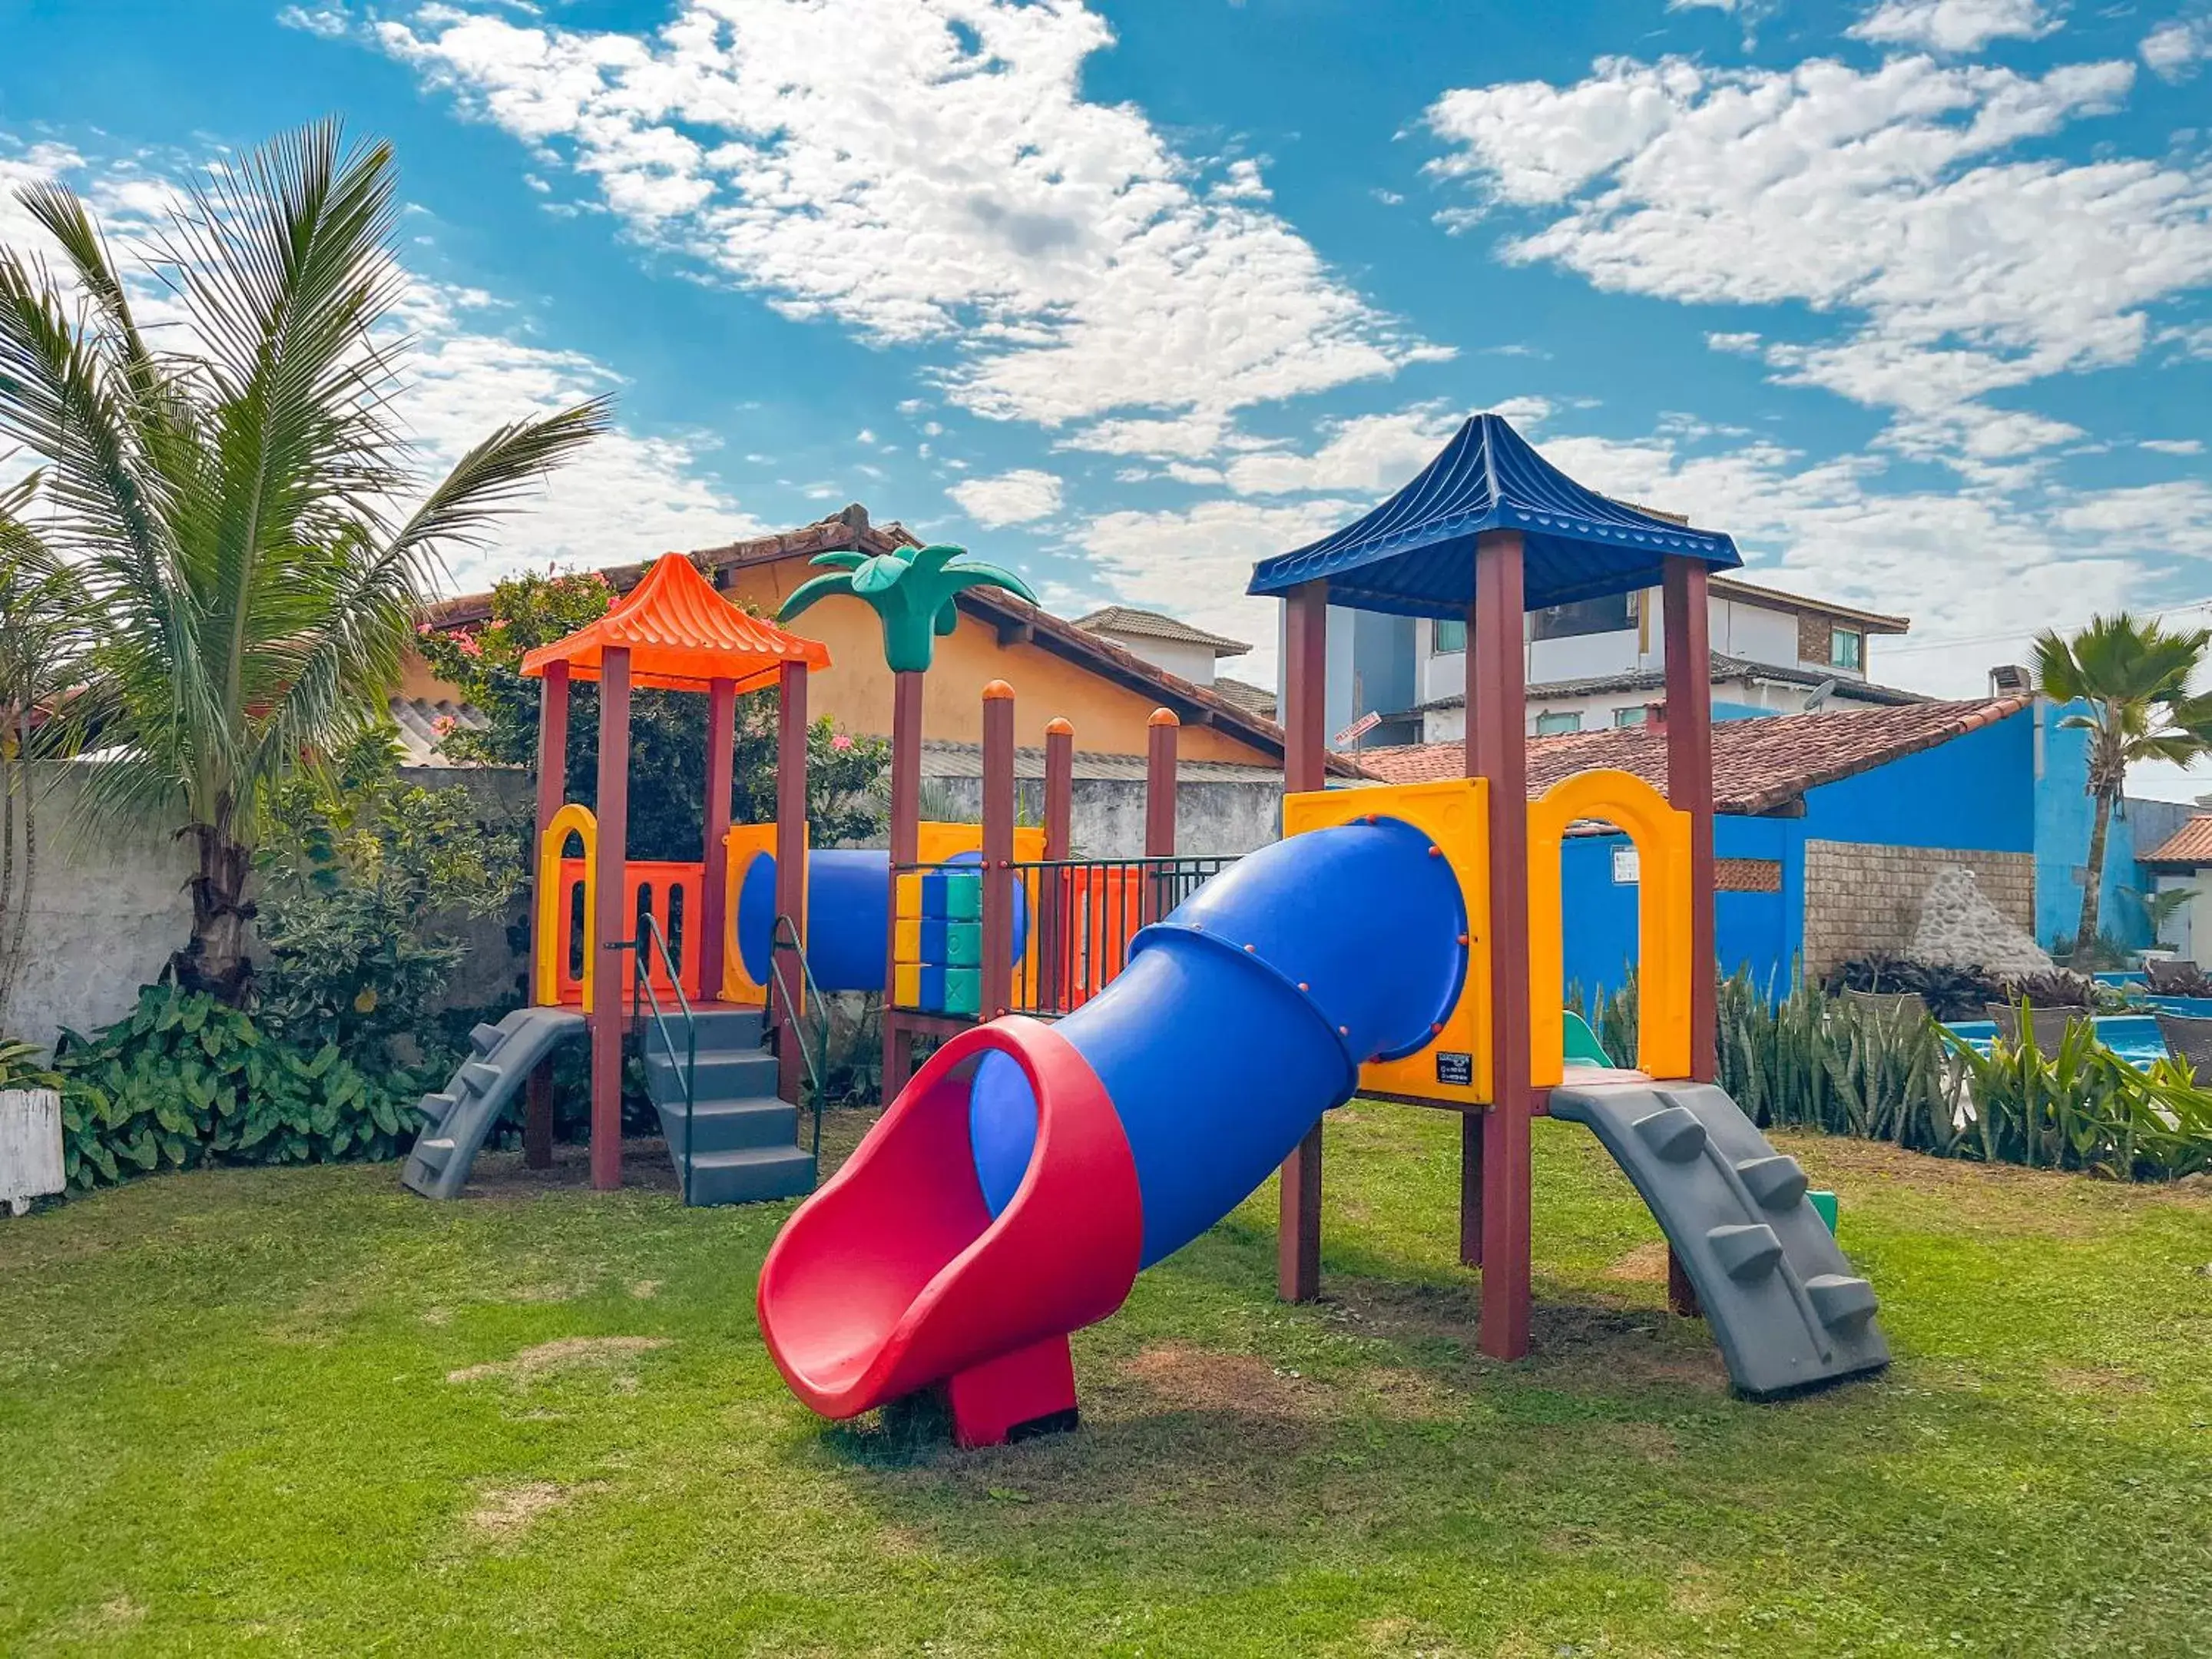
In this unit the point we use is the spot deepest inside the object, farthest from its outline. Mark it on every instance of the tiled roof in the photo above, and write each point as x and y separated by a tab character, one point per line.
1259	699
1014	617
1758	764
1151	625
1725	668
2191	844
941	757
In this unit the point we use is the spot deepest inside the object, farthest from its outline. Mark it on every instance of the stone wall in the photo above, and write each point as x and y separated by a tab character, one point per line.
1861	899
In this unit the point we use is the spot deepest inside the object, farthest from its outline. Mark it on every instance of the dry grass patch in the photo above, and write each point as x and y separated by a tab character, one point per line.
1644	1265
504	1513
562	1353
1192	1379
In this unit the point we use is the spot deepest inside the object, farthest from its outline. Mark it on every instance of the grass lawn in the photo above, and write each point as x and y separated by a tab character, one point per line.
303	1411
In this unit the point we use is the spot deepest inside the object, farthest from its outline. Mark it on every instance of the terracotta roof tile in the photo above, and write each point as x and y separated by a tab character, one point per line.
1151	624
1758	764
2191	844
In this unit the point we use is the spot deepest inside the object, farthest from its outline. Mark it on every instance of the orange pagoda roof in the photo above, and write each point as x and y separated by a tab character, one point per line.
681	635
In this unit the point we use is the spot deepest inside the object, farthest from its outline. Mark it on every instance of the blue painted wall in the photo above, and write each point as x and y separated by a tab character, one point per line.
1978	792
2063	818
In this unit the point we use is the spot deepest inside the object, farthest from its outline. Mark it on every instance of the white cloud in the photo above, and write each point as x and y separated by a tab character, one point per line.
1367	455
1021	497
1953	26
1964	273
623	496
2175	445
1742	343
1194	562
928	172
2173	50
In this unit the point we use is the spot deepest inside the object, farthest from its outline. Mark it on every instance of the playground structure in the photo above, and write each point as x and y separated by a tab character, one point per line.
1401	942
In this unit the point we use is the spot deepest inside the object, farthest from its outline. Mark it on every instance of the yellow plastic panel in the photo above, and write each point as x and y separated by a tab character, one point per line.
907	940
909	897
742	844
1661	836
1455	814
574	818
906	985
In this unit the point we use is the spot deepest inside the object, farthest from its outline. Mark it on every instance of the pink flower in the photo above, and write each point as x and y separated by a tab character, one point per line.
840	743
444	725
467	645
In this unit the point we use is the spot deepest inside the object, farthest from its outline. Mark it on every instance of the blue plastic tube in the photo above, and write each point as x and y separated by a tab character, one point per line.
848	916
1245	1015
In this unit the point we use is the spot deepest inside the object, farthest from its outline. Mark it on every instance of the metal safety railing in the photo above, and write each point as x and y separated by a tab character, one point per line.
784	942
646	994
1084	915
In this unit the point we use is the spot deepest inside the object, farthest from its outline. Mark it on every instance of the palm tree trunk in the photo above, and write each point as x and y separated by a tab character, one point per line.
216	961
2093	881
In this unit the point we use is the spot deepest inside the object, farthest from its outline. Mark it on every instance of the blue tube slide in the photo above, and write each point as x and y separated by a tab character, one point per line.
1245	1015
848	916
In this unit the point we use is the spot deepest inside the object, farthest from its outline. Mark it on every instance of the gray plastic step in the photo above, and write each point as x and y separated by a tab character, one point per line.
1784	1303
716	1076
728	1126
484	1037
439	1165
751	1175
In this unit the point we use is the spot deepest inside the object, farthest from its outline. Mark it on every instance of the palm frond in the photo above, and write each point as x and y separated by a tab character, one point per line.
807	594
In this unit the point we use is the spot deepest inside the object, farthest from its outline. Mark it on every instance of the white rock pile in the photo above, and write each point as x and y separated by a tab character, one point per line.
1959	927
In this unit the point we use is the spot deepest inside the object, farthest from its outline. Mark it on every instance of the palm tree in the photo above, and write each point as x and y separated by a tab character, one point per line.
229	505
2134	676
911	590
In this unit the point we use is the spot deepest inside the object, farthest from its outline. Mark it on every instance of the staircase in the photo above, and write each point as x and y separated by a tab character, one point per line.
743	1140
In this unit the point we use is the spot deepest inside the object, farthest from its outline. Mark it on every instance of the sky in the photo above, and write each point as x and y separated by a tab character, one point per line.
1913	297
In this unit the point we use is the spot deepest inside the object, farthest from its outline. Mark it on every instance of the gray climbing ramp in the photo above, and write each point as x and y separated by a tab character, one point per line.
461	1115
1782	1301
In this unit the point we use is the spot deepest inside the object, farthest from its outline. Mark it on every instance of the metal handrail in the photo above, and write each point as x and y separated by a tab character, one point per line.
649	926
818	1063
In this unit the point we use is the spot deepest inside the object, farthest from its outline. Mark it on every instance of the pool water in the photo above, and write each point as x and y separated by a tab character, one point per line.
2133	1037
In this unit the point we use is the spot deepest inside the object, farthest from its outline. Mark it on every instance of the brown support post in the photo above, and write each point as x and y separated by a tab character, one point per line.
905	843
1471	1130
998	972
713	921
790	853
610	975
1498	751
552	787
1162	732
1059	817
1690	789
1690	785
1305	768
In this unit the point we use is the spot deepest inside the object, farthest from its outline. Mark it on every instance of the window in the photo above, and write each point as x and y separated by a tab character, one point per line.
1846	648
1613	614
1551	726
1635	713
1446	637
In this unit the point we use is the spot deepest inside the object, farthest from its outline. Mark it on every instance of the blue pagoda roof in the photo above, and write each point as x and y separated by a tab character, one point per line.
1414	556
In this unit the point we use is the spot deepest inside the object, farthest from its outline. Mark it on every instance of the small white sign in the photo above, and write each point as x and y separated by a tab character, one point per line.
1359	728
1626	872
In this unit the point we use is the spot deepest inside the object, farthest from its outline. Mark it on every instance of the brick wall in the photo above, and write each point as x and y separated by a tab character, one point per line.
1813	642
1861	899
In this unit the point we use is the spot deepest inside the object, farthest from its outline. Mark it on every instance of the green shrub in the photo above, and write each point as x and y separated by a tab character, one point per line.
363	881
1809	1061
184	1080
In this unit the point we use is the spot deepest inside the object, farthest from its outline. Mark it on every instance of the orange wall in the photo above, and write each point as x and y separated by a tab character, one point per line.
855	690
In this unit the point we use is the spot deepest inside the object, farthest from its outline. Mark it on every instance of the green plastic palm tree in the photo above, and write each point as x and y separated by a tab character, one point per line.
231	505
2134	676
911	590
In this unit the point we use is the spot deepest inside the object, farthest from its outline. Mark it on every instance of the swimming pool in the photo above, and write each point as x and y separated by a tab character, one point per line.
2133	1037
